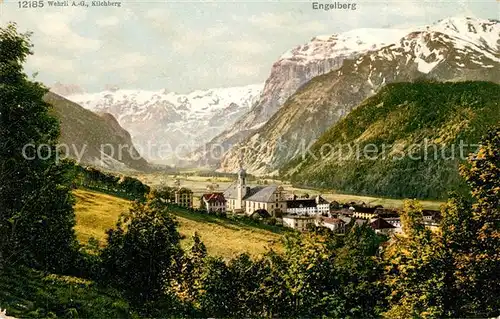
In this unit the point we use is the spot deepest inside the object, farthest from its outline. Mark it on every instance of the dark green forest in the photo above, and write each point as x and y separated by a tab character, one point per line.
142	271
404	142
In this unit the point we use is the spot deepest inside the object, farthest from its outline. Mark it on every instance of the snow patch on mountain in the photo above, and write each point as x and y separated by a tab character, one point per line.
348	43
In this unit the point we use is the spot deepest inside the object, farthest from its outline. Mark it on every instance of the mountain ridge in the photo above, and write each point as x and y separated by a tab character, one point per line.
95	139
292	70
429	53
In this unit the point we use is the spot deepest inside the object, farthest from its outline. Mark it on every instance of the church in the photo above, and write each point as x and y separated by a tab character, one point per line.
244	199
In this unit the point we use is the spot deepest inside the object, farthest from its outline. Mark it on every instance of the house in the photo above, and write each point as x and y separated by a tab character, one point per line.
431	216
183	197
337	225
323	205
299	222
301	206
345	212
381	226
363	212
244	199
314	206
214	202
391	216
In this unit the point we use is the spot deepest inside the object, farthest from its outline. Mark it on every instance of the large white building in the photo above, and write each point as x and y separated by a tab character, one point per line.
310	206
245	199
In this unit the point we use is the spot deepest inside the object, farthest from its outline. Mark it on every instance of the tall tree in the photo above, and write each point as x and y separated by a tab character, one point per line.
36	214
141	253
453	272
478	261
187	283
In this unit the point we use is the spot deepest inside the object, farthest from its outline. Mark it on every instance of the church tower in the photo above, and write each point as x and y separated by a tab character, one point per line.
241	186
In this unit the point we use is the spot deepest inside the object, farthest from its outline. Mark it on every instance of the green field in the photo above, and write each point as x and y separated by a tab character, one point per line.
96	212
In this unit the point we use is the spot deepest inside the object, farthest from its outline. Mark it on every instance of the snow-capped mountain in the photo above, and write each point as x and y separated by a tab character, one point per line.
165	124
453	49
291	71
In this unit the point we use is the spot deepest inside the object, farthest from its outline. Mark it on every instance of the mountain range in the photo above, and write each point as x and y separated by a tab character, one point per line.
165	126
454	49
310	88
292	70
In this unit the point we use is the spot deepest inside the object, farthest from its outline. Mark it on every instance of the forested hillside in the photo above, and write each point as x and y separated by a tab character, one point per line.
403	142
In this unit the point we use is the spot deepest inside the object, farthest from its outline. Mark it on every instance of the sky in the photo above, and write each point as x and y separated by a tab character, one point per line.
183	46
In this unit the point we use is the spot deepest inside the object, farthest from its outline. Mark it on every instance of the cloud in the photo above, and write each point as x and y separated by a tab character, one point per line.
122	61
290	22
270	20
187	45
54	30
236	71
108	21
248	47
61	66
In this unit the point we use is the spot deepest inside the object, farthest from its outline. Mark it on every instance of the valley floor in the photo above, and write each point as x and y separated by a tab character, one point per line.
198	185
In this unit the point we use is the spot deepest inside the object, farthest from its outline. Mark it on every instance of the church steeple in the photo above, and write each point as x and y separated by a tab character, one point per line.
241	187
241	172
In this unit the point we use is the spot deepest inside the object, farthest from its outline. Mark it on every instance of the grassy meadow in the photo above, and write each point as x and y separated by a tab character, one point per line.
96	212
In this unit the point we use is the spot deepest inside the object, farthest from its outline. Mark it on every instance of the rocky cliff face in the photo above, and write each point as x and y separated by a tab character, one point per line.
454	49
292	70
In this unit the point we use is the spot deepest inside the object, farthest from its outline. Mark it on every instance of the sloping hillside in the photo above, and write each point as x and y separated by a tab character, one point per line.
414	132
95	139
97	212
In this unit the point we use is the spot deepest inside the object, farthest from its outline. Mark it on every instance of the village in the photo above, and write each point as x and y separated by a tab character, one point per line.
296	212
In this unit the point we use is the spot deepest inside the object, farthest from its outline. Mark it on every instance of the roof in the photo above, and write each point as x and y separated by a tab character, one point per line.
435	214
328	220
298	217
361	209
346	211
214	197
380	223
346	220
254	194
386	211
299	203
261	194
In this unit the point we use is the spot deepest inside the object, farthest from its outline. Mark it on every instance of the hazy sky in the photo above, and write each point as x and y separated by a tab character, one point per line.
188	45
